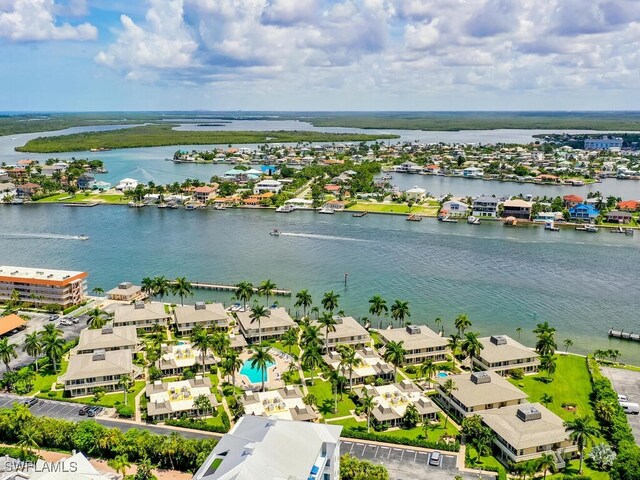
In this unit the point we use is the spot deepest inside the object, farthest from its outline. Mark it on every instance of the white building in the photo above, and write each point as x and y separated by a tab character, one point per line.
127	184
264	448
267	186
454	208
41	286
472	172
415	194
485	207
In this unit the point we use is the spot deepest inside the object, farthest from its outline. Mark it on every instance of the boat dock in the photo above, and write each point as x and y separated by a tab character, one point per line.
88	204
624	335
225	287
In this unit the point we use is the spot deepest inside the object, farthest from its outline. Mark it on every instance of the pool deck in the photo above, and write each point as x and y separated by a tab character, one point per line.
273	380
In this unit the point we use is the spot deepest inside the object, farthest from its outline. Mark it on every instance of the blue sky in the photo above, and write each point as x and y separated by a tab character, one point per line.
319	54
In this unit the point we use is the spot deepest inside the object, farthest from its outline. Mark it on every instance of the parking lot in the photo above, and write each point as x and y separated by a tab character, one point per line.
405	463
45	408
627	383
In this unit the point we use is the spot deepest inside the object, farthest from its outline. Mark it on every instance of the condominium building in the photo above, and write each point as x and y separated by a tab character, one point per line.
420	342
41	286
107	338
143	316
502	354
285	403
207	315
369	366
126	292
347	332
174	399
267	448
175	359
274	325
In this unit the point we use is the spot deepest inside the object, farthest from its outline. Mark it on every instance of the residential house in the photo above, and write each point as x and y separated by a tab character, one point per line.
478	391
127	184
56	168
415	194
420	342
603	143
453	208
583	212
40	286
144	316
99	369
472	172
274	325
267	186
370	366
502	354
107	339
528	431
7	189
269	448
618	216
176	358
347	332
286	403
629	205
174	399
126	292
27	190
572	200
74	467
204	194
485	207
207	315
517	208
85	181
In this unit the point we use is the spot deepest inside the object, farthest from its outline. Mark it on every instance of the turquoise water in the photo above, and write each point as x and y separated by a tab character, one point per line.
503	278
255	374
442	374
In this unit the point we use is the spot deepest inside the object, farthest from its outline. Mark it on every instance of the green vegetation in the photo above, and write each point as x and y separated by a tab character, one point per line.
388	437
160	135
323	392
109	400
394	208
353	469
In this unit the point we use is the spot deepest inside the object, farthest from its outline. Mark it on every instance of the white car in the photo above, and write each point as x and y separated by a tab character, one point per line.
622	398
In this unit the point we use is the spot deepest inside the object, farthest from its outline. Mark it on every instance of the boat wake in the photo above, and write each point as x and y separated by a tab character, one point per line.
322	237
46	236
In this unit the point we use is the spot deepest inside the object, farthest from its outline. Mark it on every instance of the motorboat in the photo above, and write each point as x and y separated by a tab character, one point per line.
626	231
220	206
285	208
591	228
414	218
190	206
447	219
327	210
275	232
82	237
360	214
550	226
473	220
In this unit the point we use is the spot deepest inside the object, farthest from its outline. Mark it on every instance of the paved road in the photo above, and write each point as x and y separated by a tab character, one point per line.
627	383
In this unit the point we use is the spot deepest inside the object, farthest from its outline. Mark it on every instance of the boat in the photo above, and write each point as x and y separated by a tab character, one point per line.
387	177
588	228
285	208
447	219
626	231
221	206
629	232
473	220
172	206
163	205
359	214
82	237
327	210
550	226
190	206
275	232
414	218
135	205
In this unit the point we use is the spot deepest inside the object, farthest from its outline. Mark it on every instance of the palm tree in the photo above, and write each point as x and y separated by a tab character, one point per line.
454	343
258	312
400	311
311	358
348	360
304	300
548	364
330	301
546	462
147	286
7	352
201	340
244	292
52	344
261	358
367	404
98	318
395	353
462	322
98	291
120	464
337	381
567	343
311	336
32	346
289	338
438	322
202	403
582	432
543	328
329	323
233	364
29	438
471	346
519	331
161	287
182	288
126	383
266	288
448	387
546	399
427	368
546	344
378	306
50	329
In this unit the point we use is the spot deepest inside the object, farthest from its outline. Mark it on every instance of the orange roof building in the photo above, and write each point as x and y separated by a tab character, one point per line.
629	205
41	286
10	323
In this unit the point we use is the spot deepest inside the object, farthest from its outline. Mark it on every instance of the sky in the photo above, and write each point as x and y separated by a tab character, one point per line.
106	55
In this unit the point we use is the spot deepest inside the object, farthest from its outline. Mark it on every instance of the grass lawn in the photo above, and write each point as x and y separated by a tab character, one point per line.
57	198
216	420
45	379
295	349
394	208
485	461
418	433
572	468
571	384
108	400
322	391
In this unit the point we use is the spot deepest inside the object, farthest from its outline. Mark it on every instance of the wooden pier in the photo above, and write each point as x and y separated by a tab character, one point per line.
225	287
624	335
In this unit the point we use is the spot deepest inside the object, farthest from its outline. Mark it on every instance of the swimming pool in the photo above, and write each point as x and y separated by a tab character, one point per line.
442	374
255	374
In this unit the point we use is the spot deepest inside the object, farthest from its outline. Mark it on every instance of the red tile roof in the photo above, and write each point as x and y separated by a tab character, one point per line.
573	198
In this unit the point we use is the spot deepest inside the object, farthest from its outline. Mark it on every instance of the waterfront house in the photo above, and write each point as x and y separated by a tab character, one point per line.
7	189
472	172
517	208
548	217
420	342
27	190
56	168
144	316
267	186
370	366
583	212
176	358
4	176
204	194
347	332
485	207
478	391
107	338
207	315
629	205
176	399
331	188
127	184
85	181
126	292
269	448
572	200
528	431
335	205
502	354
618	216
454	208
99	369
286	403
101	186
415	194
274	325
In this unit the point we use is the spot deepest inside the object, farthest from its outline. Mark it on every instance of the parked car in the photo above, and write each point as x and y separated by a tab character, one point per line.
75	320
53	317
435	459
30	402
622	398
83	410
630	408
66	323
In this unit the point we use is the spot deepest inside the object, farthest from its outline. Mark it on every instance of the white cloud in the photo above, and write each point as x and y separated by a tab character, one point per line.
34	20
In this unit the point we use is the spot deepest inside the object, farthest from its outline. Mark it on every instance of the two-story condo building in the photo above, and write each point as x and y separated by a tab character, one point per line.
273	325
108	338
503	354
174	399
40	286
286	403
485	207
420	342
207	315
176	358
143	316
347	332
370	366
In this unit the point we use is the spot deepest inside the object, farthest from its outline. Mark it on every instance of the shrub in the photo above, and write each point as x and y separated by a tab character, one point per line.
602	456
125	411
410	369
45	390
517	374
200	425
412	442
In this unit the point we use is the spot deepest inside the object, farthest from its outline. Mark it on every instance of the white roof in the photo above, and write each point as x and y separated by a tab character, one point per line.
76	467
37	273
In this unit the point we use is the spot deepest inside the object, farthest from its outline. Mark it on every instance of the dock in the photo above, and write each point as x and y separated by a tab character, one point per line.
225	287
91	204
624	335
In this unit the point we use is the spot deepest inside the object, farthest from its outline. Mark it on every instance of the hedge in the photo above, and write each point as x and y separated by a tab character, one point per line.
412	442
200	424
576	477
502	473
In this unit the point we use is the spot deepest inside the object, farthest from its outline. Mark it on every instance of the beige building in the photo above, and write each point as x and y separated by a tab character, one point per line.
370	365
348	332
420	342
40	286
100	369
285	403
527	431
207	315
502	354
273	326
107	338
126	292
173	399
143	316
479	391
176	358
